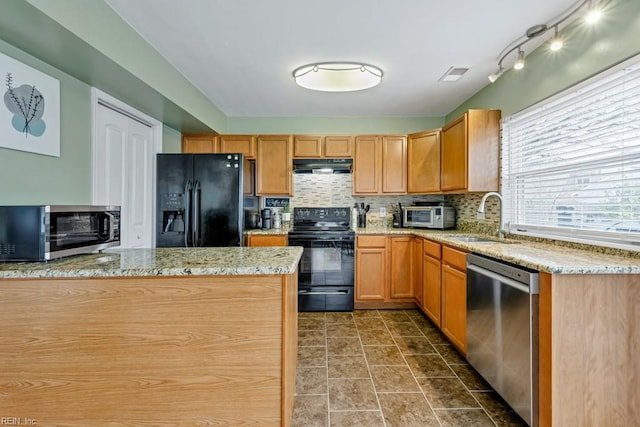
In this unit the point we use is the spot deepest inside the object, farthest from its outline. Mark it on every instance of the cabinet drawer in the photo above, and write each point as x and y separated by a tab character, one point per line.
432	249
455	258
371	241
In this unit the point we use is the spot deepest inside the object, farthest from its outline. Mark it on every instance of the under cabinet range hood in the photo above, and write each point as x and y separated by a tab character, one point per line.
326	166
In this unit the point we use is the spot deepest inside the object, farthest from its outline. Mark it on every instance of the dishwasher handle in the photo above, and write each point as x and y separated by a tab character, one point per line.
503	279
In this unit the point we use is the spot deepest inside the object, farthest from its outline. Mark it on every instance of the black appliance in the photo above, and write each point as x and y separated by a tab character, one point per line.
266	218
199	200
326	166
326	269
41	233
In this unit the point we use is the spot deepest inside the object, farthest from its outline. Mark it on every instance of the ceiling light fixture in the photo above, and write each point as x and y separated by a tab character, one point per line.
593	13
519	64
556	42
337	76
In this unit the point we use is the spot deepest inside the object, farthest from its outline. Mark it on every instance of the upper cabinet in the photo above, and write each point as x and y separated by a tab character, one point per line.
311	146
205	143
470	152
274	165
423	162
245	144
380	165
338	146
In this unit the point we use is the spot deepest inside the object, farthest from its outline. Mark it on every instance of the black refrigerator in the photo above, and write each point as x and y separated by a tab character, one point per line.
199	200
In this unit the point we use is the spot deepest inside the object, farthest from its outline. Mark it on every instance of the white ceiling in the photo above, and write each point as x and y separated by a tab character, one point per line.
241	53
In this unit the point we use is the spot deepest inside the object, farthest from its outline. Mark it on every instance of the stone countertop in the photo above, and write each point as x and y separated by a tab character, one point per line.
545	257
162	262
270	231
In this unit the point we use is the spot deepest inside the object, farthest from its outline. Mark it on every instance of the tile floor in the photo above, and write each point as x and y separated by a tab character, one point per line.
387	368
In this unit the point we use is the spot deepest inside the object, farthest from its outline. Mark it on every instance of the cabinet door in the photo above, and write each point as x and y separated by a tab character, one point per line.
371	274
267	240
454	155
199	143
431	288
338	146
307	146
245	144
394	164
416	267
367	165
423	162
454	297
249	177
401	277
274	163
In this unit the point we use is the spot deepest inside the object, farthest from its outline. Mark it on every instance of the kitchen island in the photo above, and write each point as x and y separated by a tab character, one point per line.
150	337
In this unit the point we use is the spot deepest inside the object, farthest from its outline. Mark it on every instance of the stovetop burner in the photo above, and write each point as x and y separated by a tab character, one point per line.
321	220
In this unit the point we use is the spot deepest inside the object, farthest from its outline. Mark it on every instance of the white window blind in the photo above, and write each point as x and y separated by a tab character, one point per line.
571	164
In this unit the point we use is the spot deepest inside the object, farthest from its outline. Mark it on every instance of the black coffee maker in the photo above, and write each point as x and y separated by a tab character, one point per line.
266	218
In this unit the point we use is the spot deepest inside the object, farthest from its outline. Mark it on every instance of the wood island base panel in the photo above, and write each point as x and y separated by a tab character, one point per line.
148	351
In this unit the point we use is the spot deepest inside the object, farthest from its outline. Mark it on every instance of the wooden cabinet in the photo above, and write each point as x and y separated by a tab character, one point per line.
338	146
401	268
380	165
204	143
367	165
454	297
307	146
423	162
274	165
266	240
431	281
470	152
245	144
394	164
371	268
416	268
311	147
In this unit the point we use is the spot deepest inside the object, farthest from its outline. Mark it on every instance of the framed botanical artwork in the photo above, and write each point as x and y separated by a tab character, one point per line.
30	111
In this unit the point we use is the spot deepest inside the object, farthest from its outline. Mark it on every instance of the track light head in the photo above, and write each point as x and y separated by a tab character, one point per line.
519	64
594	13
556	42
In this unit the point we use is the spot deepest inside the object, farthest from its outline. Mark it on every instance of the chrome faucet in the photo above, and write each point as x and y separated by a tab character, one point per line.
480	214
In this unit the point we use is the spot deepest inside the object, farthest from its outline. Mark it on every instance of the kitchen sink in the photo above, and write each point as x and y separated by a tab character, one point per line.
476	239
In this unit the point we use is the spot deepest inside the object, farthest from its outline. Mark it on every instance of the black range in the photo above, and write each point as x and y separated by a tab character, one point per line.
326	269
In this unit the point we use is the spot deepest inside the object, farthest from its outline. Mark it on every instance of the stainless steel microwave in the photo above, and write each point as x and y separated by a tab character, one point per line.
41	233
441	217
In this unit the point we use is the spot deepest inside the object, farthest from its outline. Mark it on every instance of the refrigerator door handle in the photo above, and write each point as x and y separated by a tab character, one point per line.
187	212
196	214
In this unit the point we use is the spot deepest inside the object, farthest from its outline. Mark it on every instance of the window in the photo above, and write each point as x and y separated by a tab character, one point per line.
571	164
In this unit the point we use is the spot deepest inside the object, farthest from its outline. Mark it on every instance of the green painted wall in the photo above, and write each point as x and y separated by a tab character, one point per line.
331	125
587	51
171	140
28	178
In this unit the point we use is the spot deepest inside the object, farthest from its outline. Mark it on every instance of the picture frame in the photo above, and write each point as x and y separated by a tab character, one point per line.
30	109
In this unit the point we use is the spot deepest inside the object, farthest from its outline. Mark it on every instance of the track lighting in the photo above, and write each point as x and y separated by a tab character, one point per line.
592	14
519	64
556	42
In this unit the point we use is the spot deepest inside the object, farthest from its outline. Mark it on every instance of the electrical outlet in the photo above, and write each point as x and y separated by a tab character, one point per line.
383	212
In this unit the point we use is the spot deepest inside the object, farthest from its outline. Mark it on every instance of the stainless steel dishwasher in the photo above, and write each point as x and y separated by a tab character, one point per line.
502	330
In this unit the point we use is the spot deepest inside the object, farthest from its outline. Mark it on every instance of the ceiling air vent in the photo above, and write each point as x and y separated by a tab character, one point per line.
453	74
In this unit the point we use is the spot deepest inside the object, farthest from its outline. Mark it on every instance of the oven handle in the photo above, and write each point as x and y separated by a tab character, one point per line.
305	292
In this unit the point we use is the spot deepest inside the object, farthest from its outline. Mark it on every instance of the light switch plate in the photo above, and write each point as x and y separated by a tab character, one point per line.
383	211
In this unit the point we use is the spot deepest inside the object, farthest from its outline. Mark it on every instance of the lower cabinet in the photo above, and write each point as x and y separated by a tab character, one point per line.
266	240
417	270
371	268
384	271
431	281
454	297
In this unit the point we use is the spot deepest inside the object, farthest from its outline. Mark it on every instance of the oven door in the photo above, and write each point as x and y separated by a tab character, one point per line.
325	273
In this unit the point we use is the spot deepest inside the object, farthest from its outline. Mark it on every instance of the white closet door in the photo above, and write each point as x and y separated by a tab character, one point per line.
124	174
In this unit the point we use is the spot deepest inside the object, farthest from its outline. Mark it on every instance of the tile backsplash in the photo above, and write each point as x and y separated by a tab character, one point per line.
317	190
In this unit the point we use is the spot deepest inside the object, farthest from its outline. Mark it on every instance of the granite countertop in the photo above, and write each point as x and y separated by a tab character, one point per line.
538	256
162	262
269	231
